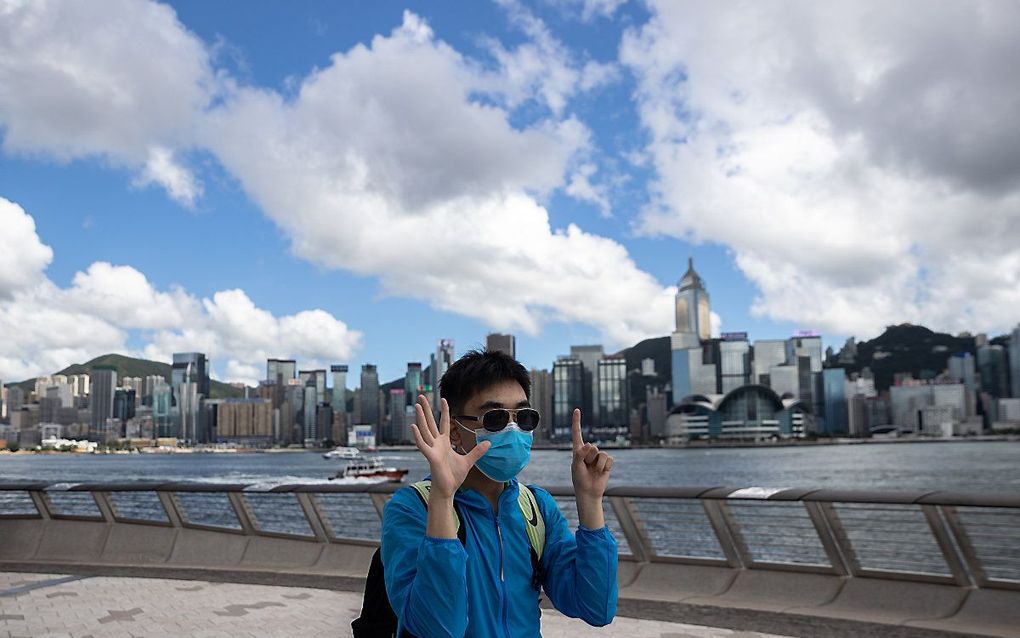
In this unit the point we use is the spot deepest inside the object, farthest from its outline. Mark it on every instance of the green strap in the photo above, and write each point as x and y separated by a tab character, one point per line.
534	522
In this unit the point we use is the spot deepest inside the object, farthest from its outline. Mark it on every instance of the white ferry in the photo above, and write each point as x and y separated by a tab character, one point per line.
341	452
371	469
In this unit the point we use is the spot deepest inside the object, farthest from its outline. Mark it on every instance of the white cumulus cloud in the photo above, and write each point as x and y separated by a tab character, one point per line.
122	80
46	327
23	257
860	159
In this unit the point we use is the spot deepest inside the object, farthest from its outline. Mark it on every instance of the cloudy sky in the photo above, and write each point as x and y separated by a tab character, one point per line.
344	182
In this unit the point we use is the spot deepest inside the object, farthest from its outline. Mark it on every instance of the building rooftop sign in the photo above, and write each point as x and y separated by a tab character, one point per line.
733	336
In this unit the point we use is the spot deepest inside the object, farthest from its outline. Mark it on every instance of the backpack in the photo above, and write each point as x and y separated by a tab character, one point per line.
377	619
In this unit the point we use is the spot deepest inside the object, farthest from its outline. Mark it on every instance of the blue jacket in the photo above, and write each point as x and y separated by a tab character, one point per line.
483	587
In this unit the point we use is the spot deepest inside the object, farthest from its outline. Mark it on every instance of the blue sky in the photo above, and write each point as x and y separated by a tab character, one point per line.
351	182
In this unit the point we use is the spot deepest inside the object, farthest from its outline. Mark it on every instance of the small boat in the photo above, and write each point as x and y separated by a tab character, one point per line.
341	452
371	469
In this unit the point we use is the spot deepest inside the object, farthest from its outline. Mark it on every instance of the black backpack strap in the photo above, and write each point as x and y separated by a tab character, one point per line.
377	619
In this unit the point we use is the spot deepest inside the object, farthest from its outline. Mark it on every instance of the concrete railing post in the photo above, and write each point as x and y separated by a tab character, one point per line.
827	535
949	550
316	518
42	503
106	506
172	506
727	533
633	529
242	510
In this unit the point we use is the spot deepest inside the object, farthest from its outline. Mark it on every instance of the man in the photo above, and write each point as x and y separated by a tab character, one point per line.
484	585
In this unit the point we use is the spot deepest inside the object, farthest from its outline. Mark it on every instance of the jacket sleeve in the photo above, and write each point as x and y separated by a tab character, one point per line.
578	569
425	577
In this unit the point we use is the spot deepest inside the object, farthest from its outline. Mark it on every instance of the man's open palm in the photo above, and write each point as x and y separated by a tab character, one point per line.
448	467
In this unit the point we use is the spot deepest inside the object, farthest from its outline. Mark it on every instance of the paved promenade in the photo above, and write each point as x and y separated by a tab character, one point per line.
55	605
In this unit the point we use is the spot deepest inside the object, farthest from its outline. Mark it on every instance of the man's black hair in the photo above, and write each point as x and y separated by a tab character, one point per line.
479	370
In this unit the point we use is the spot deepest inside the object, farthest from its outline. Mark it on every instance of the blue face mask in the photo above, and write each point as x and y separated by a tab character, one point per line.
509	454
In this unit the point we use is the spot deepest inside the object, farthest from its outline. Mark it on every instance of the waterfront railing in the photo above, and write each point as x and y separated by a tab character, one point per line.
968	540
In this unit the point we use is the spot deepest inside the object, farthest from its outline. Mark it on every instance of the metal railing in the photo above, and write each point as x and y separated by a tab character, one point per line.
968	540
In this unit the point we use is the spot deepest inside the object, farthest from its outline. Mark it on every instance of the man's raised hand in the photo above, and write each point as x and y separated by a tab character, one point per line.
589	471
448	467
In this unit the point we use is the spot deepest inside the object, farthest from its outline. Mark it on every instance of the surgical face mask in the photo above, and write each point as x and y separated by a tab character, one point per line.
509	453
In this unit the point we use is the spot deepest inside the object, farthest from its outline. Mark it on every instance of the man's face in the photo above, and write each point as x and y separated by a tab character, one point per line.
505	394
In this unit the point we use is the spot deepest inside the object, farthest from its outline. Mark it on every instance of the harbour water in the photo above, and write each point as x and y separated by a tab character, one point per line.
956	466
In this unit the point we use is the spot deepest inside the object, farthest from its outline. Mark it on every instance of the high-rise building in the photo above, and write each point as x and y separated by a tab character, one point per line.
568	393
994	369
104	385
693	325
614	399
339	398
734	361
281	371
542	400
857	416
79	384
767	353
396	433
693	313
1014	362
413	382
186	413
317	380
909	402
502	343
310	426
369	392
15	399
162	403
249	420
440	363
193	366
589	357
124	404
836	412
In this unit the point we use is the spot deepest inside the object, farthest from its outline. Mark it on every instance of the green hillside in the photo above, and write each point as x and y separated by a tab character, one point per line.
131	367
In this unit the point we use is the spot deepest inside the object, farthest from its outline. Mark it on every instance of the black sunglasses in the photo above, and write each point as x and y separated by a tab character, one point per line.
496	419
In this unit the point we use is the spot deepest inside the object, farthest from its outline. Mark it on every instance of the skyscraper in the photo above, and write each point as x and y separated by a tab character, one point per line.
992	365
316	379
836	408
568	393
198	373
280	371
501	343
413	385
441	362
613	398
1014	362
589	357
161	404
734	361
104	385
396	432
339	399
310	426
542	400
369	396
693	325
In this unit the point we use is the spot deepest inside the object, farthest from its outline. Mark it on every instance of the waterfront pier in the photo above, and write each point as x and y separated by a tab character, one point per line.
791	562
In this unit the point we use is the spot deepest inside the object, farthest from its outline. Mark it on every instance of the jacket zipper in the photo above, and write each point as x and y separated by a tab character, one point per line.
502	579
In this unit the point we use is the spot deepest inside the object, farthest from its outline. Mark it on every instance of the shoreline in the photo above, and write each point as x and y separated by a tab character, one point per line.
696	445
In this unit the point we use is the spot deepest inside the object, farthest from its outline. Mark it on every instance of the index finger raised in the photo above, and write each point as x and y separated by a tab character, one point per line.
575	430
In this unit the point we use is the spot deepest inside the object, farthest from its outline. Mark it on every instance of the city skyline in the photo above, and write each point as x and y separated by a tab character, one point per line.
541	169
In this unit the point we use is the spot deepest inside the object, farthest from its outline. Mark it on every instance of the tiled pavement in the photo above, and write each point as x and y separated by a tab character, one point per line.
53	605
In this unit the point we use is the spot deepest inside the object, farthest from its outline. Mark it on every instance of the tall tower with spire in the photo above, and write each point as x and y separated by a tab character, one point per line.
693	314
691	375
